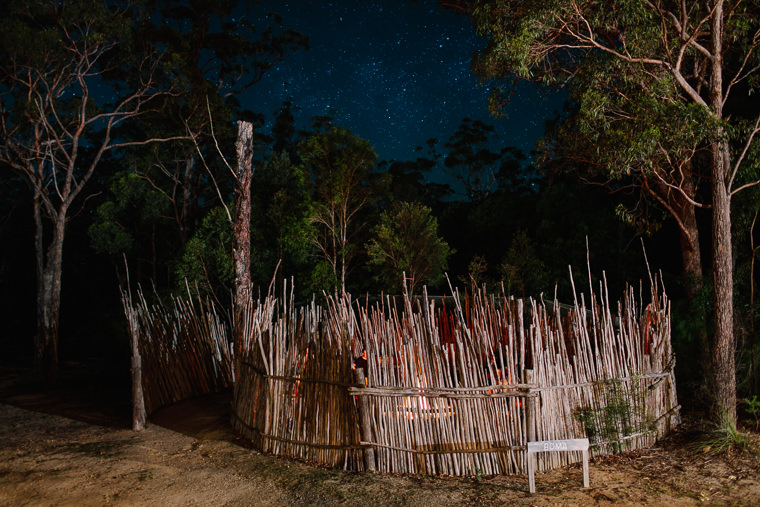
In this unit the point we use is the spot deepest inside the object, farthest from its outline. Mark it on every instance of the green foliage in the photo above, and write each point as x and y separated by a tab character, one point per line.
475	163
406	242
407	181
630	123
340	167
724	437
477	272
39	31
524	273
134	207
323	277
620	412
280	227
753	409
107	235
206	261
289	218
215	57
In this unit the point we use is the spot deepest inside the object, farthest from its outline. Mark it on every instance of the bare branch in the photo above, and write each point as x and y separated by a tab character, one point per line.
148	141
673	214
205	165
739	161
678	189
216	143
740	74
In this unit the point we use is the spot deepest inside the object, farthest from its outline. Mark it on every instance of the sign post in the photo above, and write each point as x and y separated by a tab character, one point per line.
576	444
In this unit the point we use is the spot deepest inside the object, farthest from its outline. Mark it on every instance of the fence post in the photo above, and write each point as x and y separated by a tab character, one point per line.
530	408
369	451
138	397
530	430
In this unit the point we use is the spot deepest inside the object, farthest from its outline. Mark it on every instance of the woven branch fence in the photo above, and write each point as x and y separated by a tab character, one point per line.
291	397
183	348
453	386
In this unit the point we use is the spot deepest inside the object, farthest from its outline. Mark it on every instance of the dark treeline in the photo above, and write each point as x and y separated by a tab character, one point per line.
325	210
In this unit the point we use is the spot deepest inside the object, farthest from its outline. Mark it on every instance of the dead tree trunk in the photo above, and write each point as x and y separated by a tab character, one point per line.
139	415
241	240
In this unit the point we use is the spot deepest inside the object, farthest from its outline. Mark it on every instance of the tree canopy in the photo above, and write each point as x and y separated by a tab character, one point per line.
652	80
407	249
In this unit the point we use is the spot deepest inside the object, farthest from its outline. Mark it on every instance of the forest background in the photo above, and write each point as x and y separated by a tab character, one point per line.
119	135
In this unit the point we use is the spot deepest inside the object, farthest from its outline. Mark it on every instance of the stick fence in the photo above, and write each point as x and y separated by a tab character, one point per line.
184	348
454	386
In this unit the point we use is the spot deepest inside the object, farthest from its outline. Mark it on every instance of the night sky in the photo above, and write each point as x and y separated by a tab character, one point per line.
394	72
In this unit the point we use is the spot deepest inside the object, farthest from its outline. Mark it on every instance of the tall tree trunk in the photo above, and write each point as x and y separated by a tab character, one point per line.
691	255
723	349
49	271
724	345
693	275
241	239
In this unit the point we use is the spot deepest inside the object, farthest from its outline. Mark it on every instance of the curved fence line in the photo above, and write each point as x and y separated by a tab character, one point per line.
183	347
454	386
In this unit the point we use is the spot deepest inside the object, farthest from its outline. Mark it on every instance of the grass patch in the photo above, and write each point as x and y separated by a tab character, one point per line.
726	437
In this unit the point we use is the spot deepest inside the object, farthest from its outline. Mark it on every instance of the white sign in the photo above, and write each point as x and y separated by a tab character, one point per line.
575	444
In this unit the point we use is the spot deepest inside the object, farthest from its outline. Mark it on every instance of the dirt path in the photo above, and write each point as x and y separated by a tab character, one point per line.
52	460
188	455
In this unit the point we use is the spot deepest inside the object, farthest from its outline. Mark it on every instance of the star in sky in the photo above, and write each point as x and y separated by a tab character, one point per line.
394	72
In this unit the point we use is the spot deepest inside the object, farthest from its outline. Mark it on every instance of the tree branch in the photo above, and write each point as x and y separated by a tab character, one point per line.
739	161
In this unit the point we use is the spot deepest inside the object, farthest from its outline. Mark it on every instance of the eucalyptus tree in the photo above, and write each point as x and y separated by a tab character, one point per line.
406	248
71	74
340	166
696	56
473	161
410	181
630	131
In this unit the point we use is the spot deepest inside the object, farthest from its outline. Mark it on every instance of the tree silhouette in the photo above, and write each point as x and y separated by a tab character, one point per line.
339	165
406	248
57	64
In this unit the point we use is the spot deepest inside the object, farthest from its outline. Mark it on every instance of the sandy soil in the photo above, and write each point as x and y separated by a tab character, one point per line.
189	456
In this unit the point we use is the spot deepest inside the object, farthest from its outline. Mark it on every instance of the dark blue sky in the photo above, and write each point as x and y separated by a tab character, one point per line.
393	72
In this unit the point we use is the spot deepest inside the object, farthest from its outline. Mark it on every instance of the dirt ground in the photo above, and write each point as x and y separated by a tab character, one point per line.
73	446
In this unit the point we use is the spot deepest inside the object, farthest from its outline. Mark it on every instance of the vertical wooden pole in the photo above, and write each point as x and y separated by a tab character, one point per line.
241	248
241	235
531	472
138	400
585	468
369	452
530	408
138	397
530	430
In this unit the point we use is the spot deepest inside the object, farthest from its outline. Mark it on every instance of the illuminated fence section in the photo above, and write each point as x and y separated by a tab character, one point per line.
291	397
438	402
462	390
